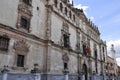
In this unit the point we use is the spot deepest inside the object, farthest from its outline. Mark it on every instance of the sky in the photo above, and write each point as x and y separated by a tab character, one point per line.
106	15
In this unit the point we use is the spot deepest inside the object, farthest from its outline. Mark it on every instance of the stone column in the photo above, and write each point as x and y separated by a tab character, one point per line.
5	73
36	72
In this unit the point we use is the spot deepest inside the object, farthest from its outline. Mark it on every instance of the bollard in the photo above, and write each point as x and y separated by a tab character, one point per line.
36	72
66	71
4	76
37	76
66	76
5	73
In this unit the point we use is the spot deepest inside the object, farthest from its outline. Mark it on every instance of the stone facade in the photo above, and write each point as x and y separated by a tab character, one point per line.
54	35
111	65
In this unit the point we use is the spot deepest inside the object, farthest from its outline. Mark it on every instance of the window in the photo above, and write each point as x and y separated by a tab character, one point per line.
65	0
96	61
61	7
70	14
73	17
55	2
4	43
24	23
20	60
103	49
78	41
65	11
66	40
65	66
106	67
95	54
26	2
84	49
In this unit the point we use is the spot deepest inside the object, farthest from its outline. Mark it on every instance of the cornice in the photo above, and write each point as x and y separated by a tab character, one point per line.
25	34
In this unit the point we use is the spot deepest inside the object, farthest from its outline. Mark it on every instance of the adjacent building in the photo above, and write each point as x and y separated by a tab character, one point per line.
111	65
52	34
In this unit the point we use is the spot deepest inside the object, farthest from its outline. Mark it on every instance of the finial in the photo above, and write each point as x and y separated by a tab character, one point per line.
112	46
72	3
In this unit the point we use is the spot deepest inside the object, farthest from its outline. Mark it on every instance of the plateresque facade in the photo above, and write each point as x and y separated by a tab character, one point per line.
54	35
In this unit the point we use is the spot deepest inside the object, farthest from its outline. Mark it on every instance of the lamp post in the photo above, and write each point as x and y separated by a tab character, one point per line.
5	72
36	72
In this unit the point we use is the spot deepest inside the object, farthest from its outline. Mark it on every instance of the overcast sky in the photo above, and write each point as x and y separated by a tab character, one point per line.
106	15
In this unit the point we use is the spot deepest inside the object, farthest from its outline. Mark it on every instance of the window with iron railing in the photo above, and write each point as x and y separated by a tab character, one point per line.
4	43
66	40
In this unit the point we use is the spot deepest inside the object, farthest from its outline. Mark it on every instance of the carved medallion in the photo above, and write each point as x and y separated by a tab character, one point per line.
65	57
21	46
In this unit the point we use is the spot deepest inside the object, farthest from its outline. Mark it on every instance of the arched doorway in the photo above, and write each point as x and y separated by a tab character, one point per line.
84	71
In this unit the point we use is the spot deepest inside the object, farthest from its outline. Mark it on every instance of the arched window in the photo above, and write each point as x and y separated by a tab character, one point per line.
65	11
84	70
61	7
55	3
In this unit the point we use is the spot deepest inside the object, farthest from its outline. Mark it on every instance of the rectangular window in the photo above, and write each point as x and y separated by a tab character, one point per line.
20	60
26	2
65	11
65	66
24	23
65	0
66	40
55	2
84	49
103	49
4	43
70	14
73	17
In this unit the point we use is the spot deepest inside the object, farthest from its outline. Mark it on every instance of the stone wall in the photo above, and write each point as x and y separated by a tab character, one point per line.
8	15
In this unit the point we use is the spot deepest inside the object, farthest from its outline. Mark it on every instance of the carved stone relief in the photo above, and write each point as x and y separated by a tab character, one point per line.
21	46
65	57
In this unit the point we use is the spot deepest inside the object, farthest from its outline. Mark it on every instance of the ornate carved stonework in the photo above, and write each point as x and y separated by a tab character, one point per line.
25	8
21	46
65	57
65	27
